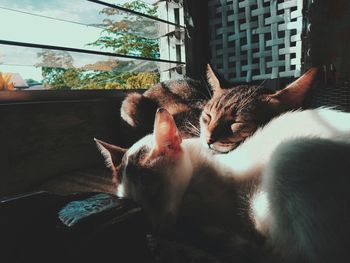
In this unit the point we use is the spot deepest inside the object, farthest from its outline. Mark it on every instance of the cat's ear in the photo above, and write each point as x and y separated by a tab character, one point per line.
166	135
113	154
213	81
292	97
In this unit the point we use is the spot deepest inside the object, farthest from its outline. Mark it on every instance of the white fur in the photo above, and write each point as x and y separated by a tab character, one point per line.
260	208
256	158
177	177
121	191
251	157
308	187
255	152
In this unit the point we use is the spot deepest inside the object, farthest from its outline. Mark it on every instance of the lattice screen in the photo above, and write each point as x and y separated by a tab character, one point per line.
256	39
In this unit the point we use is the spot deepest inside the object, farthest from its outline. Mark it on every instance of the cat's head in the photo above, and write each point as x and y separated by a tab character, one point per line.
154	172
233	114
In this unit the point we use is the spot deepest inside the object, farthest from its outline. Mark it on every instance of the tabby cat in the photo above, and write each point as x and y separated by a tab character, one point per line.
233	114
226	119
182	98
284	191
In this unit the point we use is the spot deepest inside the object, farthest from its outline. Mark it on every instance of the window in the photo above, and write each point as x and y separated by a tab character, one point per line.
89	44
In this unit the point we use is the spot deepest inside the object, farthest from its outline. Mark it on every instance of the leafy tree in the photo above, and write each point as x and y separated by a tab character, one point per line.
142	80
55	59
122	37
65	79
57	69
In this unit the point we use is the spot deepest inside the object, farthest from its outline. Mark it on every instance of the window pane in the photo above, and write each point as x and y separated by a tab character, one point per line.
86	44
54	69
138	6
81	24
147	7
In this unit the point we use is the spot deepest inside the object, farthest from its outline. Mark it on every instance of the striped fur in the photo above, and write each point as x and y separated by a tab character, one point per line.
233	114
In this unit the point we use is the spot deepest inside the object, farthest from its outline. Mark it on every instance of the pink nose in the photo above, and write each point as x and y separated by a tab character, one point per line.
209	140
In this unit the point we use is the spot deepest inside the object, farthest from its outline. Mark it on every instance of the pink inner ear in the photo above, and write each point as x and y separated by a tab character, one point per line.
295	93
292	97
166	134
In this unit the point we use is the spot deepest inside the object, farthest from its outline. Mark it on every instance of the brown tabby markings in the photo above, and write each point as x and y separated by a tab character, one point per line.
274	201
182	98
228	118
233	114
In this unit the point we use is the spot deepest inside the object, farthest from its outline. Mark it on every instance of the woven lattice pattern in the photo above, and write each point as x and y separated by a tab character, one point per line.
256	39
331	96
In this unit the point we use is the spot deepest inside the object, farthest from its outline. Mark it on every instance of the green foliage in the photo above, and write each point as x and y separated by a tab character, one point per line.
142	7
57	69
60	78
118	80
55	59
128	44
122	37
142	80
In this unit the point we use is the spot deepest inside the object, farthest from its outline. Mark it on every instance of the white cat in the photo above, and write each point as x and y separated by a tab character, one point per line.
288	184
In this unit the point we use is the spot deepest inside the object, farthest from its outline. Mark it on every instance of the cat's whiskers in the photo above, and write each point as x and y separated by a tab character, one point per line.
193	132
192	128
207	89
261	84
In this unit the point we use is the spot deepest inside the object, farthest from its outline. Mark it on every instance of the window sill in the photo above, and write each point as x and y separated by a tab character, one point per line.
47	96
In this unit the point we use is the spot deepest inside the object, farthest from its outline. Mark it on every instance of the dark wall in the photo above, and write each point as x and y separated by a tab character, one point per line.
197	39
329	46
330	36
40	140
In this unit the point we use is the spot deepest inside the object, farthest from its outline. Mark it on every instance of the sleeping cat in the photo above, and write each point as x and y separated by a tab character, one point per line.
232	115
285	190
182	98
227	118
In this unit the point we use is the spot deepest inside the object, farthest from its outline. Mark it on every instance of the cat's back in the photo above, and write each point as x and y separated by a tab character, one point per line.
182	98
308	186
253	154
185	89
314	122
322	122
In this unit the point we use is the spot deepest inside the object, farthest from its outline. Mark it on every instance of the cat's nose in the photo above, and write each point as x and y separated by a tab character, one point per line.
210	141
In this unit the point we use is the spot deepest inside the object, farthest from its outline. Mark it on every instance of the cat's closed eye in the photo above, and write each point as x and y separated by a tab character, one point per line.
206	117
237	126
248	108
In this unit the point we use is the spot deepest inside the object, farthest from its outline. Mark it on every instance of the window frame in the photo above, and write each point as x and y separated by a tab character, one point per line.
45	96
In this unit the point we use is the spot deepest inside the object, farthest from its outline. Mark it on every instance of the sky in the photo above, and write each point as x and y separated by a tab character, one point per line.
23	27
